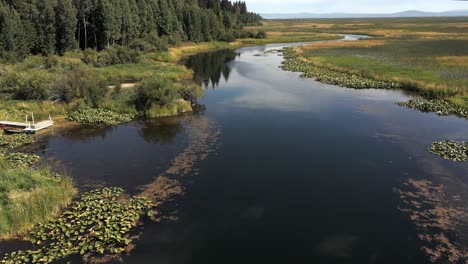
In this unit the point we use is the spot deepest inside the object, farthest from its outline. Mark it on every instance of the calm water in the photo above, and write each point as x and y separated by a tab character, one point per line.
302	173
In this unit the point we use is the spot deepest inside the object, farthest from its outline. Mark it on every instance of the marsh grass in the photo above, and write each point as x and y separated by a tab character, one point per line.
30	196
428	55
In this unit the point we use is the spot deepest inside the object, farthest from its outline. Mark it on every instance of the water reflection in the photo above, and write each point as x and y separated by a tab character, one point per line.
124	156
210	67
160	131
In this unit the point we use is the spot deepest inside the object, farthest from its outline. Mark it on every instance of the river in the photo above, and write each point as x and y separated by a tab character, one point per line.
282	169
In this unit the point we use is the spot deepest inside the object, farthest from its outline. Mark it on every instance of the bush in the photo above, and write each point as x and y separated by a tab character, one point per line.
141	45
155	90
81	82
158	43
90	56
190	92
228	36
117	55
261	35
35	85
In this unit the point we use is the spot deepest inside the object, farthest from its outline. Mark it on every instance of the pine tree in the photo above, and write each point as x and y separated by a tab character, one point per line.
66	21
45	27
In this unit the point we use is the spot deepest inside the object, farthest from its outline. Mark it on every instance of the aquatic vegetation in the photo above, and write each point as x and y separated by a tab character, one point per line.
24	160
15	140
441	107
101	222
451	150
99	116
437	220
293	62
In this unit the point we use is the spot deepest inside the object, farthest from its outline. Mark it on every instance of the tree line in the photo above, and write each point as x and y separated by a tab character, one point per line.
56	26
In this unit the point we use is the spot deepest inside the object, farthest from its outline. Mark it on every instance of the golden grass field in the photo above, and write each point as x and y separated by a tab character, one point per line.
428	54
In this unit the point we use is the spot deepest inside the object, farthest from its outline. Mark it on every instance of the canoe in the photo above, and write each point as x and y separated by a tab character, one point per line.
17	131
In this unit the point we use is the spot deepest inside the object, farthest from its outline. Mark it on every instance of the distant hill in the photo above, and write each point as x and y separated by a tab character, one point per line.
409	13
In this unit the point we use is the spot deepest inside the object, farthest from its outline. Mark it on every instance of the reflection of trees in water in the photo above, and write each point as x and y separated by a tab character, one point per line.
161	130
209	67
87	132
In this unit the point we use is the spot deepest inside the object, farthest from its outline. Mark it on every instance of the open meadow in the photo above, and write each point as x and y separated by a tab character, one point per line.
428	55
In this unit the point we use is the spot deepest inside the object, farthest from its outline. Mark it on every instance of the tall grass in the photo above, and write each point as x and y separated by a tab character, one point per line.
30	196
428	55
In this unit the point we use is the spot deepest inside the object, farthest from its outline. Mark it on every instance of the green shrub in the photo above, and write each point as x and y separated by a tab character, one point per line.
190	92
81	83
117	55
228	36
155	90
35	85
261	35
90	56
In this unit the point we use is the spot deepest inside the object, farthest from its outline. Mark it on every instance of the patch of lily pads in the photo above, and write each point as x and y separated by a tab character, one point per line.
441	107
22	160
100	223
15	140
99	116
293	62
451	150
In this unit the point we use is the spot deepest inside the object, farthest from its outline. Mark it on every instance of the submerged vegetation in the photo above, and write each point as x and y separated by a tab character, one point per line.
101	222
451	150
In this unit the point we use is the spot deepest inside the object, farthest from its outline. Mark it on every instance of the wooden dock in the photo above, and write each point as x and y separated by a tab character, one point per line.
29	127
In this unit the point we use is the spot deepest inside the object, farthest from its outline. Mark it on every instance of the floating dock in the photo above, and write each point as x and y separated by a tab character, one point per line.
29	127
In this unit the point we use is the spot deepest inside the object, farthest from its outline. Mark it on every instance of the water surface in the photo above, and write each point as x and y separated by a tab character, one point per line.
303	172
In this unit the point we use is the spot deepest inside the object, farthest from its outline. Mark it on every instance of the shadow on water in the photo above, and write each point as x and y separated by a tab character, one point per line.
209	67
125	156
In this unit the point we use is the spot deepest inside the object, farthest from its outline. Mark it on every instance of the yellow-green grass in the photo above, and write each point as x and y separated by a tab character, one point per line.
427	54
16	110
30	196
132	73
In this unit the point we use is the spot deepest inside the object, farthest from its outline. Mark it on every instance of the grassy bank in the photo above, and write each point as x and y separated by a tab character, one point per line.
28	195
426	55
106	230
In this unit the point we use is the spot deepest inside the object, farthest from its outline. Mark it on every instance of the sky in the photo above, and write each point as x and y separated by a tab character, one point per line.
352	6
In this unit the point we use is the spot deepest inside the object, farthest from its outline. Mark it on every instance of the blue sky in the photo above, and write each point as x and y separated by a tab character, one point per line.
352	6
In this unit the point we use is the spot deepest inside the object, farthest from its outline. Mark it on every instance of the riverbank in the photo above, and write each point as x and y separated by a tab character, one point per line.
31	194
61	85
423	55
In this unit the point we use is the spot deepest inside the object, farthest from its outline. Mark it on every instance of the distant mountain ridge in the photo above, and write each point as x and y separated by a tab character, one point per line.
409	13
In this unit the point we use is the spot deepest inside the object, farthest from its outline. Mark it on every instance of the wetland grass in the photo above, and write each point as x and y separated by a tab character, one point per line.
101	222
293	62
424	55
30	196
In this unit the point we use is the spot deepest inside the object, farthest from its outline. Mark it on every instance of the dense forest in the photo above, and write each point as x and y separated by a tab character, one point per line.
56	26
